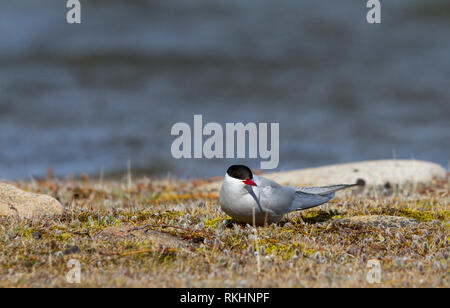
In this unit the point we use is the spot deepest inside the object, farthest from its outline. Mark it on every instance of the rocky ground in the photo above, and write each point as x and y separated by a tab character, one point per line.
172	233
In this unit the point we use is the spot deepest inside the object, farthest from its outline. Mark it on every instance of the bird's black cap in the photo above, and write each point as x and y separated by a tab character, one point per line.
240	172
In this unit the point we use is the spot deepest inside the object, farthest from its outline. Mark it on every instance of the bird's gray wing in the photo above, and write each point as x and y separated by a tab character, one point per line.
308	197
305	201
321	190
273	196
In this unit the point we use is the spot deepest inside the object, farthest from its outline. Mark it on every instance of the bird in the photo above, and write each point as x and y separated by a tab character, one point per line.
253	199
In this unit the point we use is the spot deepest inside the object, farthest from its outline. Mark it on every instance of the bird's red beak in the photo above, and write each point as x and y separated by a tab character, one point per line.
249	182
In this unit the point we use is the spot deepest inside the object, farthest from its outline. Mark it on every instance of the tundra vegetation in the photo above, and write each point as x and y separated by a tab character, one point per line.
172	233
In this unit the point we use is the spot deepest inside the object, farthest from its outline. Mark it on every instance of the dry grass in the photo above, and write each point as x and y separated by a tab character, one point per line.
160	234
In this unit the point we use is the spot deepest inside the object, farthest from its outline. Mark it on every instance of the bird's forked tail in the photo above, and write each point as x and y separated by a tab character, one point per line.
308	197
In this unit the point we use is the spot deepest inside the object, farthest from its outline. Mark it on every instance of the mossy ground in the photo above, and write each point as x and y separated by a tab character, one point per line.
161	234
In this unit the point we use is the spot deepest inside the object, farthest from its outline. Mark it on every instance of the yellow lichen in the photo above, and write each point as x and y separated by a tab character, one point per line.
423	216
318	216
213	222
64	237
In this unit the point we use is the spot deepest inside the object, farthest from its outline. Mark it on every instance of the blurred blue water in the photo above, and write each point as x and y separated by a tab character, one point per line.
83	97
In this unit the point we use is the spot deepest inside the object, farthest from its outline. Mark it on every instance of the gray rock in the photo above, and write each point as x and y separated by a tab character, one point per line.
384	174
378	221
15	201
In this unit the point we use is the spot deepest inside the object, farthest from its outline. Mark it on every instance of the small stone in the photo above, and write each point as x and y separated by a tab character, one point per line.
15	201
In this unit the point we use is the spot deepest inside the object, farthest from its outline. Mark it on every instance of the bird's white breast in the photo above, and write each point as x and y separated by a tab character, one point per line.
243	202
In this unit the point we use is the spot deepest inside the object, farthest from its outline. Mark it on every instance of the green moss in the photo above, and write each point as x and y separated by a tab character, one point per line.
285	251
414	214
170	214
63	237
282	250
84	217
116	223
26	232
213	222
444	215
144	215
309	251
284	231
420	215
425	203
236	242
313	217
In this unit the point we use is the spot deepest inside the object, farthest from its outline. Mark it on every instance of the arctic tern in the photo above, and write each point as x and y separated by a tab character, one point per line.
252	199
